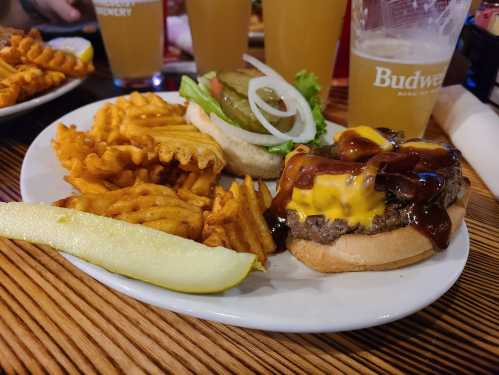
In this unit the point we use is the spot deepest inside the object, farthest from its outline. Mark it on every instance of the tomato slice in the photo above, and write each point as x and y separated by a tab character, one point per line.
216	88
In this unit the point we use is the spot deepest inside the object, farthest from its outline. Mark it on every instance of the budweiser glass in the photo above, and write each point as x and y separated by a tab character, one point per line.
219	33
133	37
400	50
302	34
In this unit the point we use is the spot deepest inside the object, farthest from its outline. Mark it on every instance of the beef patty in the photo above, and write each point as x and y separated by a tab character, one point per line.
320	229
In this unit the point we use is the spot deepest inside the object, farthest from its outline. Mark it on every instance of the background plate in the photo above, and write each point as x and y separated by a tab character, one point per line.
288	297
23	107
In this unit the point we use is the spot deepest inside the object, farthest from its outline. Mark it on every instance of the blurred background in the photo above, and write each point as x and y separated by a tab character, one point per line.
474	64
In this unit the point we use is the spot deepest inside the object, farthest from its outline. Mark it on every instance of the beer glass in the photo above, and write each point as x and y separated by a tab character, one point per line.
302	34
133	37
219	33
400	50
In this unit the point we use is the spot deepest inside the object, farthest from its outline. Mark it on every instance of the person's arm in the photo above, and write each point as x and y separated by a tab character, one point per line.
25	13
12	14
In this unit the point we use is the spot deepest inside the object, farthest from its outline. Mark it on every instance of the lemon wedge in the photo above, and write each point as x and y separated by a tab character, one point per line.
128	249
79	47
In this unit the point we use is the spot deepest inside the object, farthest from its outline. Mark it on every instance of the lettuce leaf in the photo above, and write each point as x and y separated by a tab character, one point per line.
308	85
282	149
200	95
320	124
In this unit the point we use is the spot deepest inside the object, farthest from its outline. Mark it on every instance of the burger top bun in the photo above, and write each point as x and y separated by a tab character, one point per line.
382	251
242	157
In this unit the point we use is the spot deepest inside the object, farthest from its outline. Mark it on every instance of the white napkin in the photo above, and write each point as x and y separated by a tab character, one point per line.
474	129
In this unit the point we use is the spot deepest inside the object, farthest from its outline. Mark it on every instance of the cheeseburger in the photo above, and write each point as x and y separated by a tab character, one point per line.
371	201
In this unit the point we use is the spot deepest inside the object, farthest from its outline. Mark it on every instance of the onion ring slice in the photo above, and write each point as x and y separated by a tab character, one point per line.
250	137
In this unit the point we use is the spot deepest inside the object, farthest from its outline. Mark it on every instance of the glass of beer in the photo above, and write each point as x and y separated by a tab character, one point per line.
219	33
134	39
303	34
400	50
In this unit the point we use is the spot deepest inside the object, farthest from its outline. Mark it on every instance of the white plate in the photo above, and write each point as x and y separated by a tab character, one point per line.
15	110
289	296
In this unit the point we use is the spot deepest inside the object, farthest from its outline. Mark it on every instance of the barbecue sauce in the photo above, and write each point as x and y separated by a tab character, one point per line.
301	170
412	175
352	147
433	221
278	228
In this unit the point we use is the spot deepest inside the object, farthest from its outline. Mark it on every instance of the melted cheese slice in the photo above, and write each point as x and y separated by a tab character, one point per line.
347	197
422	145
369	133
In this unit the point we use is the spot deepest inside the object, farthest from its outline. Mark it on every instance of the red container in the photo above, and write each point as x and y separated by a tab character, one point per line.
343	57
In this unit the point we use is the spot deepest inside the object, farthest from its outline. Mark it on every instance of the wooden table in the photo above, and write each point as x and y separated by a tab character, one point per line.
56	319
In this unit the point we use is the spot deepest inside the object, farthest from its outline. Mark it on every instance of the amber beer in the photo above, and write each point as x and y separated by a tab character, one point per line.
133	37
303	35
399	55
219	33
398	93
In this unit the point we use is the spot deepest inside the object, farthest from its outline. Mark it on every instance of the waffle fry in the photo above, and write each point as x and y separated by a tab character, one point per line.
6	33
140	110
123	148
147	121
197	200
152	205
52	78
150	110
194	151
200	183
89	185
115	159
236	220
29	80
35	34
136	146
107	125
32	80
95	167
6	69
33	51
10	55
76	149
257	207
72	146
264	196
28	67
8	95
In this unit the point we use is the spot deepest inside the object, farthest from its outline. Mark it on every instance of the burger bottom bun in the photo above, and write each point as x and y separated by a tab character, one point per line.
382	251
242	157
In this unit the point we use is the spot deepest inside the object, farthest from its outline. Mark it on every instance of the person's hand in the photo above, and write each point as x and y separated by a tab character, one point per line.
64	10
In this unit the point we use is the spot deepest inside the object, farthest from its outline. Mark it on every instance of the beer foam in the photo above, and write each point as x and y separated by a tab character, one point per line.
402	51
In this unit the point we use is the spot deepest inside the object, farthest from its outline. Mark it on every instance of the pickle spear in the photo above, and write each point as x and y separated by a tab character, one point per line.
239	81
128	249
238	109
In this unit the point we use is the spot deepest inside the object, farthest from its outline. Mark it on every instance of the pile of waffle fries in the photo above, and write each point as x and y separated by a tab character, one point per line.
142	163
29	68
